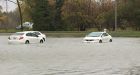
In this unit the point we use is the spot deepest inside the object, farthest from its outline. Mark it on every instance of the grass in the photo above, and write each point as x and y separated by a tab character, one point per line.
125	33
65	34
8	30
119	33
82	34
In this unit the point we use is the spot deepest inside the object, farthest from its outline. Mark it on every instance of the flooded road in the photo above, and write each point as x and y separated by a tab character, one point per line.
69	56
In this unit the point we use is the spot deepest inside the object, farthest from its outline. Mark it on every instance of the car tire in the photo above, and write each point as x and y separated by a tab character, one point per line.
44	39
100	41
27	42
110	40
41	41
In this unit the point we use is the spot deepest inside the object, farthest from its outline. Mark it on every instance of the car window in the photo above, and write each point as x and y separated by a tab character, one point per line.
34	35
37	33
29	34
105	34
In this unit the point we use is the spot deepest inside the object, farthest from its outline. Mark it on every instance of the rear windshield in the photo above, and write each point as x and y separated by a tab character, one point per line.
18	33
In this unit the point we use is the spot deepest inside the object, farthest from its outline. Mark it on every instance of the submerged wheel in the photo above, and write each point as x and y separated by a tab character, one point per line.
100	41
44	39
27	42
110	40
41	41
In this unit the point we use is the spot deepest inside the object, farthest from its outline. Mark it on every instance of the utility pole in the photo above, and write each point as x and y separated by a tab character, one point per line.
6	24
116	15
6	6
21	21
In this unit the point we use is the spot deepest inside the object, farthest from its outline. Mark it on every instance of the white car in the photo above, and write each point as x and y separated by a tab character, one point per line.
98	37
25	37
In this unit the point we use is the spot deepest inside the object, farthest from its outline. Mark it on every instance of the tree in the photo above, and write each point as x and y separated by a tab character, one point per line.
81	14
20	14
40	15
57	22
0	10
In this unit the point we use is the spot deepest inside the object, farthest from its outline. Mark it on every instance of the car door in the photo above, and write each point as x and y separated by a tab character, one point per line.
39	34
104	37
29	37
32	37
35	38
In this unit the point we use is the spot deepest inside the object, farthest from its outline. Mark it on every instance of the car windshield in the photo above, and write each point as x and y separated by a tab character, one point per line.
94	34
18	34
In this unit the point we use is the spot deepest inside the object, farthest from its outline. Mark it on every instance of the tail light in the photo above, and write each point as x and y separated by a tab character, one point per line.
21	38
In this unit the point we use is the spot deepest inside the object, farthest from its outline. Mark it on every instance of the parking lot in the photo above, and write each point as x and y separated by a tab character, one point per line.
69	56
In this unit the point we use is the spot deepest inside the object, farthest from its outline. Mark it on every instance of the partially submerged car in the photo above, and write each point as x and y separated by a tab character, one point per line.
26	37
98	37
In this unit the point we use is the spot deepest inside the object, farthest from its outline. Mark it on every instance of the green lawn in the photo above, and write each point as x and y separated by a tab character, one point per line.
80	33
125	34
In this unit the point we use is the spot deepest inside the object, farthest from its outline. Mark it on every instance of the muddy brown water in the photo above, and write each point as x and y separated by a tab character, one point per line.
69	56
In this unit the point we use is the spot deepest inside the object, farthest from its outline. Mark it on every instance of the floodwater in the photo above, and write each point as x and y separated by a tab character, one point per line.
70	56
